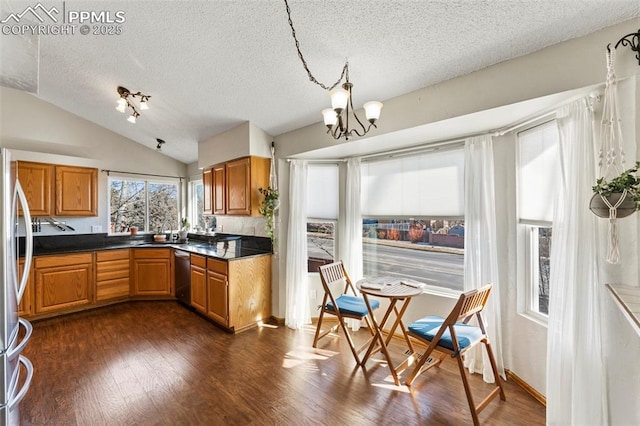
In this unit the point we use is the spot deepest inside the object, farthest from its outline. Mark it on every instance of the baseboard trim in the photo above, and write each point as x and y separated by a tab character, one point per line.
526	387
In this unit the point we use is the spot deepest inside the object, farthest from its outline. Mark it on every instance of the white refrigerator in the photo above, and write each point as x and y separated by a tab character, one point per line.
13	365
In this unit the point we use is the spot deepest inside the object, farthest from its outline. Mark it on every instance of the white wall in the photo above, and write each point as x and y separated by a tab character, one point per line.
38	131
570	65
241	141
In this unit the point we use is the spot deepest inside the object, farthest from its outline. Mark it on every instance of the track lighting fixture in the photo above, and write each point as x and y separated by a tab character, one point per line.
160	143
126	100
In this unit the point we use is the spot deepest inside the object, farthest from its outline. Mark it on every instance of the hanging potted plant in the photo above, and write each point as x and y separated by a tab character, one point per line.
268	207
620	196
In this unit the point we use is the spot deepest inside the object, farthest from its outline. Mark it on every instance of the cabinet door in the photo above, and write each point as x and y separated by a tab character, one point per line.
207	188
26	304
63	281
219	189
151	277
199	288
238	187
36	180
217	298
76	191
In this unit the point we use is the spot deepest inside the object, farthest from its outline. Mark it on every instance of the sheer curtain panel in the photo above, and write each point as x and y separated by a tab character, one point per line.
297	288
480	253
576	386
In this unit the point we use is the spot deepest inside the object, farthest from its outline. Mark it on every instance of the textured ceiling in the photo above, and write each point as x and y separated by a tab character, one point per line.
210	66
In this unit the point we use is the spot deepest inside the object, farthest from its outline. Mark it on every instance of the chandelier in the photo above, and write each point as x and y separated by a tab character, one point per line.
126	100
336	118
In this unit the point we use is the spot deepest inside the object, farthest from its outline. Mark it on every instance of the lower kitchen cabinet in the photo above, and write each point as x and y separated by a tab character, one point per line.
26	304
199	283
152	272
63	281
218	298
112	274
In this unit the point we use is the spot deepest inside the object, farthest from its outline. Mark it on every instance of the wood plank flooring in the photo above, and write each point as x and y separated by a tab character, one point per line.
157	363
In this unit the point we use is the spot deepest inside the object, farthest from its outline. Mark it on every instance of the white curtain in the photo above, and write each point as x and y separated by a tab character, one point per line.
351	249
576	386
480	253
297	288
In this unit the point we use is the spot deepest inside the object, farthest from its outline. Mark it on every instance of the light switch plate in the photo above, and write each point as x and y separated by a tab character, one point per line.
96	228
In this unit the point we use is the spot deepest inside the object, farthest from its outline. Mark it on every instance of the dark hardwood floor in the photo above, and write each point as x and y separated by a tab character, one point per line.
157	363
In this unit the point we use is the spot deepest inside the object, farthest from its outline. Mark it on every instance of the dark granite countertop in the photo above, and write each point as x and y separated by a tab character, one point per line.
222	246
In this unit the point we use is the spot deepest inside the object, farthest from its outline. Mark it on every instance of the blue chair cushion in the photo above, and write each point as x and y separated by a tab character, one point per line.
428	327
352	305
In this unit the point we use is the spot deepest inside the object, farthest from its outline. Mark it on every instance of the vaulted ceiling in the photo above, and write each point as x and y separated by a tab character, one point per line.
212	65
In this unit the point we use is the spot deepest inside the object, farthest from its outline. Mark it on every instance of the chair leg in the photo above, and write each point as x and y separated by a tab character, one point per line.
494	367
318	328
349	340
417	370
467	390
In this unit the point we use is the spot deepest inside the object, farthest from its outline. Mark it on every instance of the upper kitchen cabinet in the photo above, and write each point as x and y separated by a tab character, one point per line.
234	186
76	191
36	180
244	176
206	188
54	190
219	189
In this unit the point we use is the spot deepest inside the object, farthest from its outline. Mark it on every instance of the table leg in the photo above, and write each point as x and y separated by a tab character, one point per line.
379	338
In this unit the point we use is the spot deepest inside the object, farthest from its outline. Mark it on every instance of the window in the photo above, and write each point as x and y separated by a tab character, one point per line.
196	204
322	214
413	218
538	174
151	206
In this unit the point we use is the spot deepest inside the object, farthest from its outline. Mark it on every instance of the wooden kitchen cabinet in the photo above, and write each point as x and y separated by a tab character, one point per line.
207	191
26	304
54	190
219	186
152	272
63	281
199	283
112	274
218	298
233	186
76	191
239	292
36	180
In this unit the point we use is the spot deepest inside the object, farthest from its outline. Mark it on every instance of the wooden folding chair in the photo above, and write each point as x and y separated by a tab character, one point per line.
343	306
454	336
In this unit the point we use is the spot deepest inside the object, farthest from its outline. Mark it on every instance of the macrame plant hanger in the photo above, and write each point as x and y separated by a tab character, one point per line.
273	184
611	157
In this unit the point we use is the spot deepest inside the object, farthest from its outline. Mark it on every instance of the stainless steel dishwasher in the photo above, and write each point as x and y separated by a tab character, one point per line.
183	276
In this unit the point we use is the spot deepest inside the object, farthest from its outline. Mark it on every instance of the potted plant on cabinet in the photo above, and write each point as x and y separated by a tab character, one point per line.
268	207
620	196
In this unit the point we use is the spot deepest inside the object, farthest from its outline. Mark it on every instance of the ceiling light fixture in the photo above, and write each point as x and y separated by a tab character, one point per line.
160	143
126	100
336	118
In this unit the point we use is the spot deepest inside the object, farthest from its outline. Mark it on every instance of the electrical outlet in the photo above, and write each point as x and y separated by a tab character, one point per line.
96	228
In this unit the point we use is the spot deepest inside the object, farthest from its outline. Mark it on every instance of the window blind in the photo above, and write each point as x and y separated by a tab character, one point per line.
422	185
322	191
538	172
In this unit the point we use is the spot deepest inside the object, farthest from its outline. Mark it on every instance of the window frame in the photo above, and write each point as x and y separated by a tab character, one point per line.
146	181
192	203
334	222
529	306
528	253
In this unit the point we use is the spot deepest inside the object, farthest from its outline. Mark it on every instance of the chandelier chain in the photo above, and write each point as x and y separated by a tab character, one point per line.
345	69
